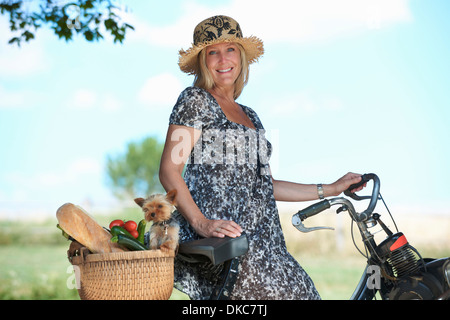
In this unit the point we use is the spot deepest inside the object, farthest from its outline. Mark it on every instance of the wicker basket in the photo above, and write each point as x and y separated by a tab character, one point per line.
131	275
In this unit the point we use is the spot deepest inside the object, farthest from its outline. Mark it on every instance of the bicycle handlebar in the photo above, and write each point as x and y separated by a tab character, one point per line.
314	209
373	198
364	179
326	204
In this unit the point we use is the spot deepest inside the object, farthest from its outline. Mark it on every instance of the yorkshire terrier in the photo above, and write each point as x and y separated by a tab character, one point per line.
164	231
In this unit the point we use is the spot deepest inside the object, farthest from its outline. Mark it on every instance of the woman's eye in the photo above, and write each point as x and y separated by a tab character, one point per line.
212	52
230	49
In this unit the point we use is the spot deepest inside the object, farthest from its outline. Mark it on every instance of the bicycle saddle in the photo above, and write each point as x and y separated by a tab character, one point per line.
216	250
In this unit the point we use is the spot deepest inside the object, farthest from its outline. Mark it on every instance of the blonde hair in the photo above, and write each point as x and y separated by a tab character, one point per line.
203	78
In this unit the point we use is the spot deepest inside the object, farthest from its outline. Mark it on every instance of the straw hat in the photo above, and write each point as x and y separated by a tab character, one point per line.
218	29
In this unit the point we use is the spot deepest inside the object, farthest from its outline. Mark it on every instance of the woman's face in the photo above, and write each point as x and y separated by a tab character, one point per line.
223	61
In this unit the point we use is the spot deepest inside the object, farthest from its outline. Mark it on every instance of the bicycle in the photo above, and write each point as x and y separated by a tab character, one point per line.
395	269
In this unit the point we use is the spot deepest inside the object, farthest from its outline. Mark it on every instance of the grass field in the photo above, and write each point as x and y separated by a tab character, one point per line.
42	272
34	265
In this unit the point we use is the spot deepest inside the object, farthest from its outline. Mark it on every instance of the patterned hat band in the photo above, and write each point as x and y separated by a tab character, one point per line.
218	29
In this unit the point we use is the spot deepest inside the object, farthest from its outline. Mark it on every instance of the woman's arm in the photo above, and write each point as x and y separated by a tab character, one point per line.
179	143
290	191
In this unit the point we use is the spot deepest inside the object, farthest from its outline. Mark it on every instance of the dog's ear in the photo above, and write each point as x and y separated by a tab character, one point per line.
139	201
170	196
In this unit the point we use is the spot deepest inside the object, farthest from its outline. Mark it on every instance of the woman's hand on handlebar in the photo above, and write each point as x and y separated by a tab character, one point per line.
217	228
345	182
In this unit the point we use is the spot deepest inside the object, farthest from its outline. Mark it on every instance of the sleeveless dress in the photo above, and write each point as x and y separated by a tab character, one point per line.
228	177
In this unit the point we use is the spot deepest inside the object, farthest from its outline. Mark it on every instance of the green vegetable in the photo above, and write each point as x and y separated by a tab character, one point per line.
141	230
116	230
128	242
65	234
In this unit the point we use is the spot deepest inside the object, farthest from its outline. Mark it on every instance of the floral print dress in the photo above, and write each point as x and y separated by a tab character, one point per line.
228	177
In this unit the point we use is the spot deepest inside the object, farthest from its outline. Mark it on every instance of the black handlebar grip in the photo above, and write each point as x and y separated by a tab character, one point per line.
364	179
313	209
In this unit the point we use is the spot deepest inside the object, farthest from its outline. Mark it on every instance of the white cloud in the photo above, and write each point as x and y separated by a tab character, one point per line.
176	35
111	103
160	90
41	192
19	98
300	103
43	180
88	99
288	21
27	60
83	99
83	166
11	99
302	21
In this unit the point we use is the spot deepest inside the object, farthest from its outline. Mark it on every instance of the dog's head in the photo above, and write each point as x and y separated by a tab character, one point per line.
158	207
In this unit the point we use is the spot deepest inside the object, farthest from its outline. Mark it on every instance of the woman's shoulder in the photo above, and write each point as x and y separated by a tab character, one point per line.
194	105
196	98
250	110
253	116
193	92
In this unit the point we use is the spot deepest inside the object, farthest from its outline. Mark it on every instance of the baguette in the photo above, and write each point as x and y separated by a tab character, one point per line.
75	221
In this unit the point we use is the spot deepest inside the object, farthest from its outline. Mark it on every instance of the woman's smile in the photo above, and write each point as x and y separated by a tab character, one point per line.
225	70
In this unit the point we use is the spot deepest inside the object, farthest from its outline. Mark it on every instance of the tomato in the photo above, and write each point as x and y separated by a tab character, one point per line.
130	225
134	233
117	222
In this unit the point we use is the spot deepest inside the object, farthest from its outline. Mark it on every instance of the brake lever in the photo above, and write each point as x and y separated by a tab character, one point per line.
297	222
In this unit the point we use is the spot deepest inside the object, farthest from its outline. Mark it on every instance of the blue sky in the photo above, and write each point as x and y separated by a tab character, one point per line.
343	86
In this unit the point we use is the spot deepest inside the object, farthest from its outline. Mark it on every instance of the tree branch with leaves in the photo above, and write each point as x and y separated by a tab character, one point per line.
86	17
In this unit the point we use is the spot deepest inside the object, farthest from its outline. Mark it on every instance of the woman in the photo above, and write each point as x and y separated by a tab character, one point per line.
227	187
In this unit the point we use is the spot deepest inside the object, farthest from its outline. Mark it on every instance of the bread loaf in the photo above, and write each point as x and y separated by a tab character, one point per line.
83	228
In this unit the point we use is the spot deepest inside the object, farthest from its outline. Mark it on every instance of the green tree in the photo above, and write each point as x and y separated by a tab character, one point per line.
66	18
136	172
